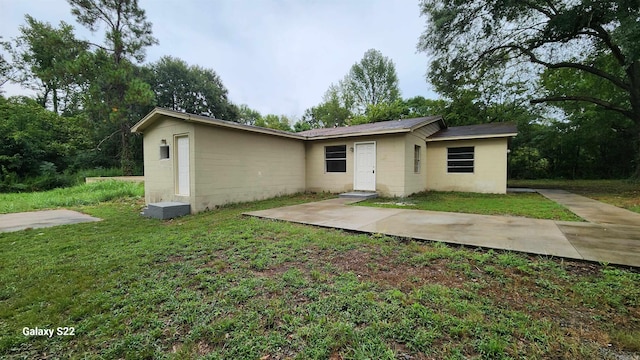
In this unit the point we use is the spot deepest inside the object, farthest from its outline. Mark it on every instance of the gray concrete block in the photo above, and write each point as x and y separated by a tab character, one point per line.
359	195
166	210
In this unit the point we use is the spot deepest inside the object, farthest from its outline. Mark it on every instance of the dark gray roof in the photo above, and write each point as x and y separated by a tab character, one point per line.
496	129
378	127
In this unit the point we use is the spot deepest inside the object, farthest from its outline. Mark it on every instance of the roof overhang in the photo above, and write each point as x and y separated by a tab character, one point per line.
472	137
158	113
368	133
438	120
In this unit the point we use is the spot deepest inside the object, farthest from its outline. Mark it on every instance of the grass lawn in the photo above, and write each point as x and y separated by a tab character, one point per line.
621	193
74	196
219	285
522	204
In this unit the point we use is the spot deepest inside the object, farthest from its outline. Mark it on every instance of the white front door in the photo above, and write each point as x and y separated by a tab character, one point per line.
365	167
182	177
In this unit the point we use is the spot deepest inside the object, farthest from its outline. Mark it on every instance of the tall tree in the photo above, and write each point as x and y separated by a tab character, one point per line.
333	111
45	59
481	43
6	69
372	80
192	89
275	122
117	91
247	115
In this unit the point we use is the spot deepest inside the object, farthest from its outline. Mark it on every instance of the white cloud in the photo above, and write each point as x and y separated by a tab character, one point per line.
276	56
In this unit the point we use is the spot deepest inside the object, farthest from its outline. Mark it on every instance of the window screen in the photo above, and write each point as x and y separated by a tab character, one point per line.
460	159
164	152
335	158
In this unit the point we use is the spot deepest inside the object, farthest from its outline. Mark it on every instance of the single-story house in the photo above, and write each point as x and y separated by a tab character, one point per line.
208	162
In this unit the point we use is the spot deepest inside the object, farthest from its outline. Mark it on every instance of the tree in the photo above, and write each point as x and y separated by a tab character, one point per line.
191	89
248	116
481	43
116	90
372	81
46	60
593	143
128	32
333	111
276	122
33	139
6	69
418	106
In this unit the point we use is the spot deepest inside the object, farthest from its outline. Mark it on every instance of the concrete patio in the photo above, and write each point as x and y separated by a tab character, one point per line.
42	219
611	243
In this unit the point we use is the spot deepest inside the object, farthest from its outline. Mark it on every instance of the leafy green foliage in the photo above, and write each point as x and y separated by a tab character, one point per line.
46	59
247	115
496	48
191	89
127	33
371	81
274	122
35	141
332	112
116	95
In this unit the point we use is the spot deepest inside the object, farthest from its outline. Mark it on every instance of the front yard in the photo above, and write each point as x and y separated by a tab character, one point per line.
219	285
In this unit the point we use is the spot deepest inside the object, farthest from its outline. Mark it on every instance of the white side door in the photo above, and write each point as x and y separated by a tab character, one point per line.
182	158
365	167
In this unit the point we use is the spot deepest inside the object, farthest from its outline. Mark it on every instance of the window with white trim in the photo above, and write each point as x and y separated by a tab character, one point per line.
335	158
416	158
460	159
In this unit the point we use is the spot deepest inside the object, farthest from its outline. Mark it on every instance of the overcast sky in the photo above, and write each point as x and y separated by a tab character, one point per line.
275	56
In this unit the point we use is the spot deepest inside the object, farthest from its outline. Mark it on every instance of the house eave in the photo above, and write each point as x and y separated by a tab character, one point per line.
360	134
472	137
157	113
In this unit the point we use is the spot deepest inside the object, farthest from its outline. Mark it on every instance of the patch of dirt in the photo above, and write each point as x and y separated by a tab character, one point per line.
389	271
395	203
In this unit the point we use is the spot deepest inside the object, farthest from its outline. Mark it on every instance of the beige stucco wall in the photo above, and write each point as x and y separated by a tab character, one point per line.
414	182
490	167
390	154
159	180
235	166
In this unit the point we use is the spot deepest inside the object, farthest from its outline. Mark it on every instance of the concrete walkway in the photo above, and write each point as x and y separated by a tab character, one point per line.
592	210
41	219
617	244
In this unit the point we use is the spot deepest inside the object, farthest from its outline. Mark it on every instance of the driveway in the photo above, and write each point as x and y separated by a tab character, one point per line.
611	243
41	219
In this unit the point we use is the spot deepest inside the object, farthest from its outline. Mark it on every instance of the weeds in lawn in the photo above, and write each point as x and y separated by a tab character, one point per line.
520	204
218	285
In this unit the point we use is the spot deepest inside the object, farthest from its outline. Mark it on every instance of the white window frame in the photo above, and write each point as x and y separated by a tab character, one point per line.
417	163
326	159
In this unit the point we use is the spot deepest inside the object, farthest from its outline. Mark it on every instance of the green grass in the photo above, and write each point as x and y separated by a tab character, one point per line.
621	193
219	285
521	204
84	194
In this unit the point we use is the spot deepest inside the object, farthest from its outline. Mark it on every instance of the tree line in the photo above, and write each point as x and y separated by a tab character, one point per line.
567	72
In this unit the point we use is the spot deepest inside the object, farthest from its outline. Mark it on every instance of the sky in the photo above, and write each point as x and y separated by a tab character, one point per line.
276	56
